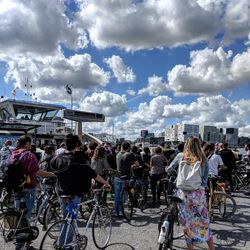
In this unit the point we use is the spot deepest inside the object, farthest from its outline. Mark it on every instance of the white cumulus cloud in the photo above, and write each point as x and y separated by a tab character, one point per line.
156	86
135	25
38	27
122	72
106	103
49	74
210	72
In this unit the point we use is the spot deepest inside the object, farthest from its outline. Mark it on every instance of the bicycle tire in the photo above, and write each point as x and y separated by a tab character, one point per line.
226	204
168	241
7	203
57	228
126	203
38	204
101	219
52	214
140	199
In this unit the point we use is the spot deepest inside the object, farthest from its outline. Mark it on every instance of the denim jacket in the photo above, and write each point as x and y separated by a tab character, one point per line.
175	163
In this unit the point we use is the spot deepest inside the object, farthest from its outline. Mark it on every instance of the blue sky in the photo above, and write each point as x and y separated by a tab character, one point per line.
144	64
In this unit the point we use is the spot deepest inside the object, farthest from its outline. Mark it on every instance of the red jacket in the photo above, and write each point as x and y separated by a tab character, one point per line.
29	164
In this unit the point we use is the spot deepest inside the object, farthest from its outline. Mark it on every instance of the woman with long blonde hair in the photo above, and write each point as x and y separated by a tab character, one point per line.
191	182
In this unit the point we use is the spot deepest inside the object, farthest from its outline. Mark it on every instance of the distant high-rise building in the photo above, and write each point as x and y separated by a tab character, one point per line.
232	136
210	134
181	132
171	133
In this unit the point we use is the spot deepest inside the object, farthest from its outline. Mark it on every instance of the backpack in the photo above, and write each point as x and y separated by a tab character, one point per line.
189	177
14	177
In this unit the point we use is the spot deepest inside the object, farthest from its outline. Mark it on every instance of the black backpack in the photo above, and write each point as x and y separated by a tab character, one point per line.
14	177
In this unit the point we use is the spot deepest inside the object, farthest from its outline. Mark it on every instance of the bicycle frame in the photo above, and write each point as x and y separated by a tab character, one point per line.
71	216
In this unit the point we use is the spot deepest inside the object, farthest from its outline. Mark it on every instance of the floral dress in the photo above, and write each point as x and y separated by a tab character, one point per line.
193	214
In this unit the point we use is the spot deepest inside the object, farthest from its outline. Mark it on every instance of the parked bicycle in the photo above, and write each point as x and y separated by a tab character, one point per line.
169	227
133	195
16	228
220	200
67	234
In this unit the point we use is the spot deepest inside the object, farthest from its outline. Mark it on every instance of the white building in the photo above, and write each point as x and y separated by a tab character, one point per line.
181	132
171	133
210	134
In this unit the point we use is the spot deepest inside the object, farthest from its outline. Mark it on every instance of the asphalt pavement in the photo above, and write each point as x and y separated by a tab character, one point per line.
142	232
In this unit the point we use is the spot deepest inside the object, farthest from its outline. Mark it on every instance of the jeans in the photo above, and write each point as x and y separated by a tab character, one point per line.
29	199
118	183
67	229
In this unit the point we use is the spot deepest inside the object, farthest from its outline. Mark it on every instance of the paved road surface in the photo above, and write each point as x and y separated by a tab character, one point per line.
141	233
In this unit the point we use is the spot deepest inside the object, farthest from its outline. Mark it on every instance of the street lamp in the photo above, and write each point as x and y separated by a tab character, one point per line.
69	91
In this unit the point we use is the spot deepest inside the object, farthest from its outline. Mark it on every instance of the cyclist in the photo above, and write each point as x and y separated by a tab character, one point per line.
215	162
157	163
193	211
74	176
229	160
30	167
125	161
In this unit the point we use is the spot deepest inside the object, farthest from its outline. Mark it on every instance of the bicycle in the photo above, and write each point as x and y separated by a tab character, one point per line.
67	232
16	228
225	203
169	227
132	195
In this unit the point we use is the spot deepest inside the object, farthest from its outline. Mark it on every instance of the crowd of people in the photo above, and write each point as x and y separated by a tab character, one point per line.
76	166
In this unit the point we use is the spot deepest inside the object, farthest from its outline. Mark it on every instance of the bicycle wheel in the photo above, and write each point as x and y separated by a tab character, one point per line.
38	207
14	227
7	202
102	227
140	198
52	214
226	204
127	204
64	236
165	238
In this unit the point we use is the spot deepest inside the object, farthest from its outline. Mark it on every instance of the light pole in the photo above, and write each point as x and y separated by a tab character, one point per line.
70	92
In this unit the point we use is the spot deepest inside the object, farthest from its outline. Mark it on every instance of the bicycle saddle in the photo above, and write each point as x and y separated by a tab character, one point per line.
175	199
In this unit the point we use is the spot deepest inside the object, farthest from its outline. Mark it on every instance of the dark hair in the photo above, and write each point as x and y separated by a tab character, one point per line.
180	147
146	150
22	141
125	145
33	148
92	145
209	147
8	143
79	143
71	141
158	150
99	152
134	149
225	144
49	149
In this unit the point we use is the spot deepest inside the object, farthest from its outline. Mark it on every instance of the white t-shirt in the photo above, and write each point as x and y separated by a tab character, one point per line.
214	162
60	151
